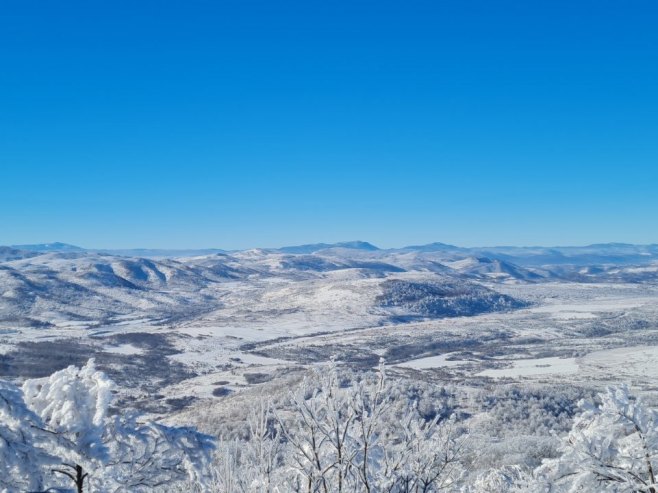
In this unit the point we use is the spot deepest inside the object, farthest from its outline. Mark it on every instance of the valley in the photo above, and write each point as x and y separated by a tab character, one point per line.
190	329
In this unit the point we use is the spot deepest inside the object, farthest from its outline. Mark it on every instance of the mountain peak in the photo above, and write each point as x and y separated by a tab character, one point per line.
314	247
433	247
49	247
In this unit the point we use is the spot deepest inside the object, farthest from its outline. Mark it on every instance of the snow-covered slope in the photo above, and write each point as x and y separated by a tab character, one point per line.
8	253
484	267
45	288
64	282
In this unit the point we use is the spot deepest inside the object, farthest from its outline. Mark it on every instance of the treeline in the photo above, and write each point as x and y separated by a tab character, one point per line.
338	431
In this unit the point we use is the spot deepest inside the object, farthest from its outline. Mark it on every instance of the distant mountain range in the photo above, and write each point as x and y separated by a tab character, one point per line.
128	252
49	247
316	247
605	253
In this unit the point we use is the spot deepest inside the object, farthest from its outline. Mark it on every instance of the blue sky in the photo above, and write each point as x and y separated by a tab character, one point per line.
236	124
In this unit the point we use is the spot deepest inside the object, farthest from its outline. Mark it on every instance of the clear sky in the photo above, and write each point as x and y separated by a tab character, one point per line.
237	124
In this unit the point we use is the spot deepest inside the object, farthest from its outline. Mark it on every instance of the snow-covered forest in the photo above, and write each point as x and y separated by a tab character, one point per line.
336	431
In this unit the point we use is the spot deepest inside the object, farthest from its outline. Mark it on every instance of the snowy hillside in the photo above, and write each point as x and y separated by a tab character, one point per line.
45	288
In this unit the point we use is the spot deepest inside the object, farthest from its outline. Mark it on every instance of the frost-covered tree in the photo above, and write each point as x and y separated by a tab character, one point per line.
507	479
372	403
23	443
73	403
148	456
57	431
264	449
254	464
612	447
426	456
322	447
342	431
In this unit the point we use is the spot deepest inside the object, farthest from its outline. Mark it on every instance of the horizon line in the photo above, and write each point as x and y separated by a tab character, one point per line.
18	246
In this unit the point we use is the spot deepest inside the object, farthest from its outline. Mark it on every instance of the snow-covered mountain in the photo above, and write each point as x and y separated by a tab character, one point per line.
49	247
46	288
316	247
596	254
488	268
42	284
8	253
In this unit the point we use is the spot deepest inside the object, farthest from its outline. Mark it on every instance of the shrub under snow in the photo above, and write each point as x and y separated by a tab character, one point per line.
336	432
56	432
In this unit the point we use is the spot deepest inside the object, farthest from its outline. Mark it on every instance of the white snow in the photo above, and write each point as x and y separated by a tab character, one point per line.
124	349
623	364
432	362
531	367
